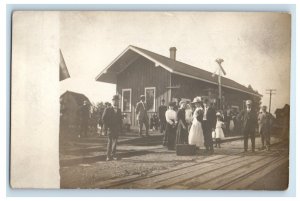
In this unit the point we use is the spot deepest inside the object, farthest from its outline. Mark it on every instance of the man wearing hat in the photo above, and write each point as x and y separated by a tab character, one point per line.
248	120
209	124
142	117
103	128
112	119
264	125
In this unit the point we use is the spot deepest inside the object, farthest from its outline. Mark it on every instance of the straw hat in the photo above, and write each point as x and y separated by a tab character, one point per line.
182	102
197	100
142	97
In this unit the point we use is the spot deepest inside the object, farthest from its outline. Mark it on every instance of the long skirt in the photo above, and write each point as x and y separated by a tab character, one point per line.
219	133
231	125
196	134
181	135
170	136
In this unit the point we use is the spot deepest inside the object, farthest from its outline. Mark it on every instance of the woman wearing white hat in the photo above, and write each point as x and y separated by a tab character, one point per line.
196	132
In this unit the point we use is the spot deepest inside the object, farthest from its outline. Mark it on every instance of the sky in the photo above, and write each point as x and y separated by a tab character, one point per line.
256	47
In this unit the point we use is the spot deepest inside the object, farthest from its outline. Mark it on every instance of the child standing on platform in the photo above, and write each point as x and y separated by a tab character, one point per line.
218	134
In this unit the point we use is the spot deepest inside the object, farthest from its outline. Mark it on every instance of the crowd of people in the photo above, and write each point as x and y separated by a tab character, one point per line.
199	123
195	123
192	123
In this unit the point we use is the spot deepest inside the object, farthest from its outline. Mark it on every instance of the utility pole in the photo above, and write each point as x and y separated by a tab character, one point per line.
270	92
221	71
220	88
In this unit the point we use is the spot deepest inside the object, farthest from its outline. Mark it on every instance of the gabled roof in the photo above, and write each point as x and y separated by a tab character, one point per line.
79	98
109	74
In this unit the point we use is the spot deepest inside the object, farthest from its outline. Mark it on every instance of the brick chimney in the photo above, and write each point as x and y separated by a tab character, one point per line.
173	53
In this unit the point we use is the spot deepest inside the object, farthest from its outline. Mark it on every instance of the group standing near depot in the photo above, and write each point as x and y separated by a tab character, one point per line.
195	123
199	123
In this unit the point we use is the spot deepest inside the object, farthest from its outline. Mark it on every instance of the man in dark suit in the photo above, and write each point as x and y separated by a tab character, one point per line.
162	115
248	120
209	124
142	116
112	119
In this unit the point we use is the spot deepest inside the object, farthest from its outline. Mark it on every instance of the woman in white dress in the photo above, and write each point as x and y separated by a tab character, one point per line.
171	118
231	124
196	132
189	116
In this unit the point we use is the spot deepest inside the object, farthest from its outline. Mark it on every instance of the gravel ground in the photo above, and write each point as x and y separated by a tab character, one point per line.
155	160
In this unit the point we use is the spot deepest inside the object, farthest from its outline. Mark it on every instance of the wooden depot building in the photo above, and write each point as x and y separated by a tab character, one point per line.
137	71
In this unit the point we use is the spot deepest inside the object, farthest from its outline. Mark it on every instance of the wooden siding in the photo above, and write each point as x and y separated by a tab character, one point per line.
235	98
141	74
190	88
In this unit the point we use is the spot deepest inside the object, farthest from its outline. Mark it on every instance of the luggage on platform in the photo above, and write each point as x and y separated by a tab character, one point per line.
185	150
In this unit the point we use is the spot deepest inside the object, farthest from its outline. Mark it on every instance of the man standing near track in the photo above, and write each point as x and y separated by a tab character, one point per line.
112	119
248	119
264	125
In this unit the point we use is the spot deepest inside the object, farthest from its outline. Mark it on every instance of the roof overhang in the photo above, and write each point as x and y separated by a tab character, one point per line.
130	54
229	87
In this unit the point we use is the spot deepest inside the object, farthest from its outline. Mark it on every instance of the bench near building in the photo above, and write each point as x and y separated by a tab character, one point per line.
137	71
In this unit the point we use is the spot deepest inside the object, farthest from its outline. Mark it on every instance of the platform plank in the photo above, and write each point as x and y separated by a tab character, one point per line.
165	180
227	175
244	183
192	180
147	181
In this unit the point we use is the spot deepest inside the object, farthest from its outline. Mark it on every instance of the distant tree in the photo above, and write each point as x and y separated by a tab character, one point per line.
100	106
256	100
256	103
97	110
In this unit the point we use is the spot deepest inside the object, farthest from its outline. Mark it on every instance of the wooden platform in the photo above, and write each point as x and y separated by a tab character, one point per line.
236	171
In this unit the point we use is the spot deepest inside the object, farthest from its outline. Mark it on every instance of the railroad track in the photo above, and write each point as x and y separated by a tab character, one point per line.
235	171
